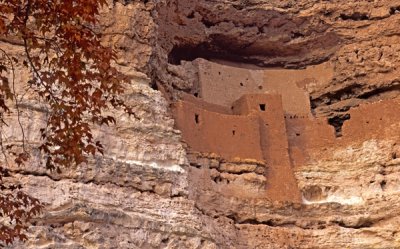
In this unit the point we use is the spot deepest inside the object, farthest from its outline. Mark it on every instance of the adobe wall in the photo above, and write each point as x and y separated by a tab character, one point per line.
379	120
255	130
231	136
269	108
309	132
256	127
306	134
205	105
281	183
223	84
231	131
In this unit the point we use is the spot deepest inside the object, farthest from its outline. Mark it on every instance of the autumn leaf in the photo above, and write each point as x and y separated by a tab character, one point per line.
73	74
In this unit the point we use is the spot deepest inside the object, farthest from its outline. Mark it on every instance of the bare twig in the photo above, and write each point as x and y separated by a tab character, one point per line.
16	99
2	149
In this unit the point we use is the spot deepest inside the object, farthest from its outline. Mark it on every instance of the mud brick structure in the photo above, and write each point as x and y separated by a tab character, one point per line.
253	128
223	84
242	114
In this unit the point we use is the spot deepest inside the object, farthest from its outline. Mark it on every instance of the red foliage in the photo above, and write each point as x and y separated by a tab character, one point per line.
73	73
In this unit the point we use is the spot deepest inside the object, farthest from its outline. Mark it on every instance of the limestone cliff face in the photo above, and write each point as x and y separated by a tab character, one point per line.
153	190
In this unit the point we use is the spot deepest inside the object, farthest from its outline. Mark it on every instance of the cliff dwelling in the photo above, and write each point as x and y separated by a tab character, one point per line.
258	125
241	112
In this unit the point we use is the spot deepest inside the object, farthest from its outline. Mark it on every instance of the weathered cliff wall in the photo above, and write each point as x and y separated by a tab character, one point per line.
151	191
345	179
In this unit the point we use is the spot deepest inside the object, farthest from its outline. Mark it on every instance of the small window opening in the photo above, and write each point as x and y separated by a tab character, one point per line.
196	95
241	84
262	107
297	134
260	87
233	132
337	123
196	118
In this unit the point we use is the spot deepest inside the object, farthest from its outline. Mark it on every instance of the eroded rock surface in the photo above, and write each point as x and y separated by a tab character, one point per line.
153	190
